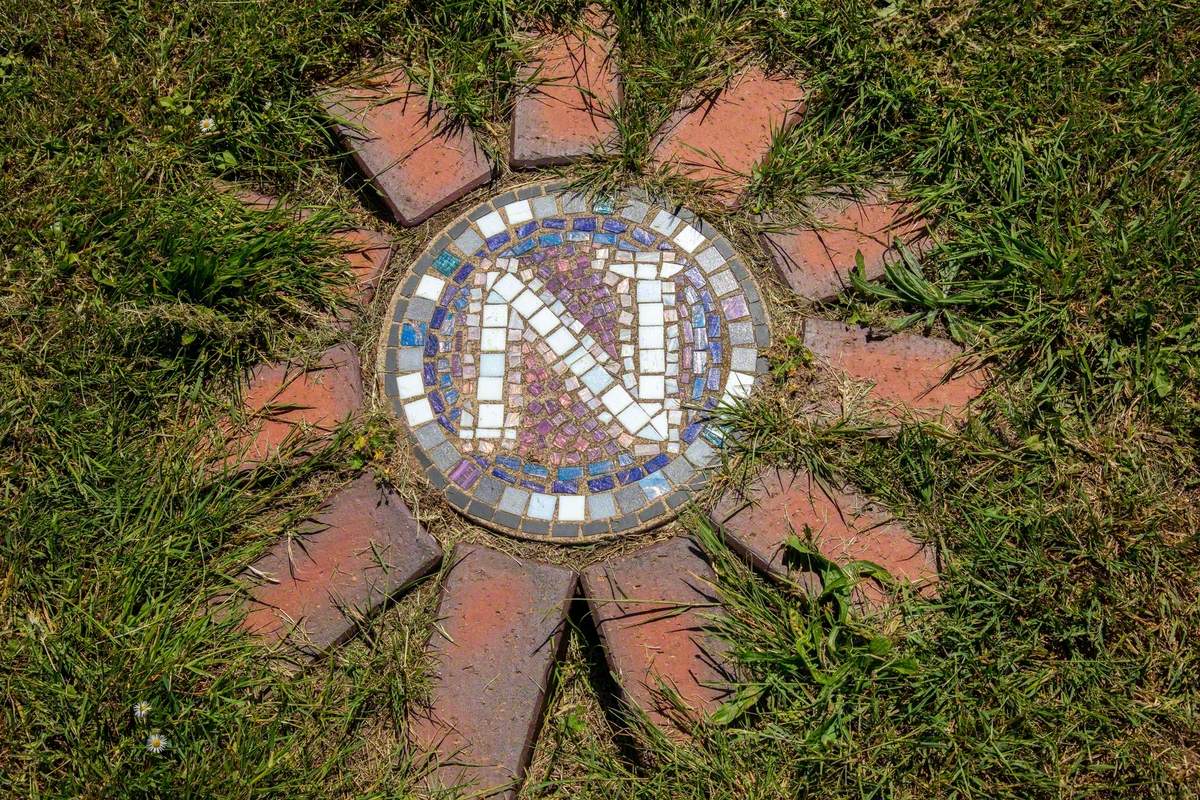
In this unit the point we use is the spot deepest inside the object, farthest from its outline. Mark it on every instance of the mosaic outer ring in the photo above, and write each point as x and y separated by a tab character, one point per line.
462	243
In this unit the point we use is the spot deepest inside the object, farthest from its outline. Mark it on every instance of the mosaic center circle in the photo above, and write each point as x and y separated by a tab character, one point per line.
557	359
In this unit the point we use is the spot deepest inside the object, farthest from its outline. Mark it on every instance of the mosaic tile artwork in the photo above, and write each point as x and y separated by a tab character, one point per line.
557	359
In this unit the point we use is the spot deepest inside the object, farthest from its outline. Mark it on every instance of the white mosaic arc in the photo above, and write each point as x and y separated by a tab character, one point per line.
630	384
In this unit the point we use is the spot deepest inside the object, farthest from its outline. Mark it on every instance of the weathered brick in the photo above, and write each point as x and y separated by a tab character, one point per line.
565	113
285	400
359	549
844	525
816	261
500	630
719	141
417	160
650	609
911	375
367	255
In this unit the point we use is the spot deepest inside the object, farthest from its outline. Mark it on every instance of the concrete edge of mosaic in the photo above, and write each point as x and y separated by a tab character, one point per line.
677	479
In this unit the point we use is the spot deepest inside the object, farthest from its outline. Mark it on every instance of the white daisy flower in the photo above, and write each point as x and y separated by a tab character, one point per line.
208	125
141	710
156	743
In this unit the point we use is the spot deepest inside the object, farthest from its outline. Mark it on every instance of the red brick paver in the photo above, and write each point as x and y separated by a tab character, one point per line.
817	261
911	375
565	114
650	609
845	527
361	548
285	400
719	141
500	630
409	151
367	255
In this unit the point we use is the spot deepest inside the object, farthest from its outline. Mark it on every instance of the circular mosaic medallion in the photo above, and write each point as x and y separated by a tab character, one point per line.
557	358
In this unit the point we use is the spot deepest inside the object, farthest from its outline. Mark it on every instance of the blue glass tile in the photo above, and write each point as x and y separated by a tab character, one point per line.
534	486
446	262
527	228
537	470
706	298
604	238
655	485
714	325
435	400
691	432
429	375
714	436
452	397
504	476
697	388
439	316
556	224
565	487
445	423
714	379
630	475
625	244
445	381
455	413
657	463
599	467
410	336
604	205
569	473
550	239
602	484
512	462
578	236
624	459
615	226
431	346
583	224
524	247
697	317
714	350
463	272
497	241
460	303
643	236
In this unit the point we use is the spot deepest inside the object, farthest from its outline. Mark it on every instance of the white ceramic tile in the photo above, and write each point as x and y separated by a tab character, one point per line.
491	365
616	399
544	321
648	256
561	341
670	270
495	316
541	506
527	304
651	387
650	337
487	433
491	415
649	291
624	270
650	314
665	223
518	212
633	418
570	507
508	287
493	340
586	364
490	224
652	360
430	287
739	384
647	272
491	389
409	385
689	238
418	412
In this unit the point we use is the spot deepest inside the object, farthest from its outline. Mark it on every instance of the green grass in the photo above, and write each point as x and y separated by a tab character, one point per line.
1055	146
